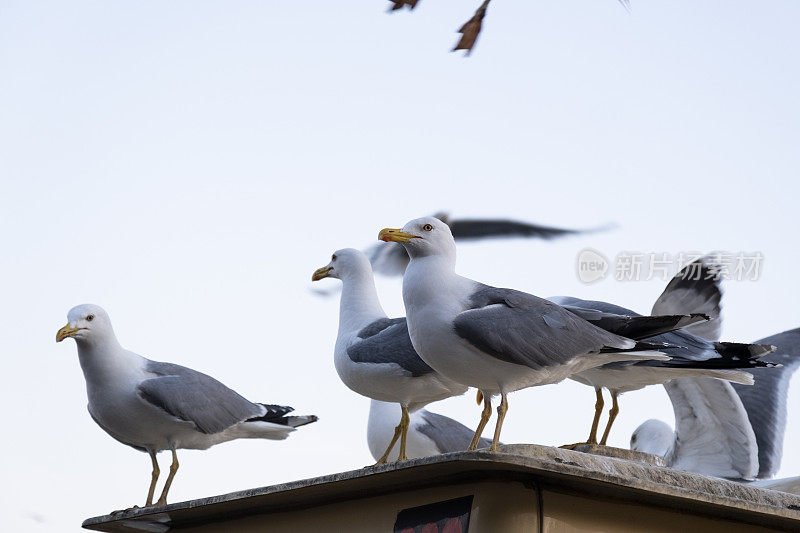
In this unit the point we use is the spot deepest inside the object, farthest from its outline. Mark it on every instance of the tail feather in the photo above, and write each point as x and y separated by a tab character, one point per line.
276	414
297	421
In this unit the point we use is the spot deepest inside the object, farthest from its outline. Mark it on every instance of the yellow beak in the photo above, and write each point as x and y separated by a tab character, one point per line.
395	235
66	331
321	273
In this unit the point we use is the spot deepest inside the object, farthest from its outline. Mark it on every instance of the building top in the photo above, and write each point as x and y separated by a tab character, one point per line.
553	468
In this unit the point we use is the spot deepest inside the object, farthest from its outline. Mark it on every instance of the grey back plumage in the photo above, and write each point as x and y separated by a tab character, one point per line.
523	329
449	435
195	397
386	340
765	401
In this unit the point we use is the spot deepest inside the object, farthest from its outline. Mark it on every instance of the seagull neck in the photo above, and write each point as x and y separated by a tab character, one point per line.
427	277
103	360
359	303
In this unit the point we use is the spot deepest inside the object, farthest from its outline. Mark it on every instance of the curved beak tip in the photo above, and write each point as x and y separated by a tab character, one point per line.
66	332
395	235
321	273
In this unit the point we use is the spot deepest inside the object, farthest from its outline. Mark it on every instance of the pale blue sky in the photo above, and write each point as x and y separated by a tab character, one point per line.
188	164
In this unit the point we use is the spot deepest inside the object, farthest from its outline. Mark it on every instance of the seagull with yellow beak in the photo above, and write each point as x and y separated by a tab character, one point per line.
373	354
154	406
501	340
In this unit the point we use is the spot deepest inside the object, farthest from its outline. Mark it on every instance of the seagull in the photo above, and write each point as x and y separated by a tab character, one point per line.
153	406
713	436
726	430
428	433
765	401
499	340
392	259
373	354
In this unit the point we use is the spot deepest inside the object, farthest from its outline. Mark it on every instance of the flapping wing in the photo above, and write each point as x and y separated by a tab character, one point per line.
713	433
195	397
765	401
520	328
697	288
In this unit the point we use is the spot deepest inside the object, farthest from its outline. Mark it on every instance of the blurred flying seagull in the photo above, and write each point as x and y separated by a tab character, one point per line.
502	340
154	406
373	354
428	433
391	259
690	355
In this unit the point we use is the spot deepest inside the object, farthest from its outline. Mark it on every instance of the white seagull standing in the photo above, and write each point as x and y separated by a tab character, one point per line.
373	354
428	433
154	406
497	340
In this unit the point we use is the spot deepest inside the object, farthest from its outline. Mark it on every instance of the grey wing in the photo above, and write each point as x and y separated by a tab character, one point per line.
195	397
527	330
387	341
713	434
765	400
697	288
449	435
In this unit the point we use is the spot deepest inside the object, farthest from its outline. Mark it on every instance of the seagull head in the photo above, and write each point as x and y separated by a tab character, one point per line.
423	237
653	436
85	323
345	263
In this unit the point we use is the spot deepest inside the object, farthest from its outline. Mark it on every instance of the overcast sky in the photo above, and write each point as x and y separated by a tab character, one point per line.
188	164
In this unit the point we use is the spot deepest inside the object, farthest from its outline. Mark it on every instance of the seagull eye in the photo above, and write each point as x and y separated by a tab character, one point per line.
333	257
633	438
427	227
89	318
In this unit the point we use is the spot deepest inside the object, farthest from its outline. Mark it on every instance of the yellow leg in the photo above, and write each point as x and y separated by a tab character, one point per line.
501	415
485	415
385	456
153	479
612	414
598	410
162	500
405	422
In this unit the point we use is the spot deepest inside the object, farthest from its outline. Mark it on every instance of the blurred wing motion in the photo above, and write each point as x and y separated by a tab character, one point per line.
471	29
399	4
